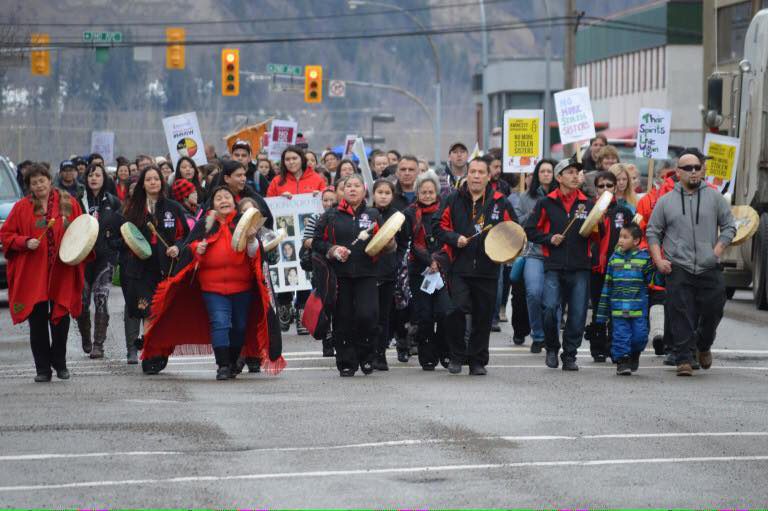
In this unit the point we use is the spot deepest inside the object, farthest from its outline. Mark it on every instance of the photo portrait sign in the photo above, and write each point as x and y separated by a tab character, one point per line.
653	127
522	140
103	143
281	134
574	115
291	215
182	133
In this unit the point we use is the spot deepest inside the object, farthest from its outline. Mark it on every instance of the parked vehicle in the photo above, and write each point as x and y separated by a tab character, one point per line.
9	194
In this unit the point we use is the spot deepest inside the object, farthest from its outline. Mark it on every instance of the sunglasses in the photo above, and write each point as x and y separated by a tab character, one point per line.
690	168
604	185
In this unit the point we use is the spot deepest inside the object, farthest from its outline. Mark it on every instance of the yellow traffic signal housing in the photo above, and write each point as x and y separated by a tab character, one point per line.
313	84
174	53
40	60
230	72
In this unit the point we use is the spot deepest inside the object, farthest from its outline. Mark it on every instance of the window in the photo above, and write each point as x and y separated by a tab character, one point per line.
732	24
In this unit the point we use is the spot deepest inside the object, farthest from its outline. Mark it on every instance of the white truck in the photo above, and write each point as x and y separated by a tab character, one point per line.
748	263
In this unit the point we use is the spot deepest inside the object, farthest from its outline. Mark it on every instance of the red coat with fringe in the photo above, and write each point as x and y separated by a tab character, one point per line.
179	316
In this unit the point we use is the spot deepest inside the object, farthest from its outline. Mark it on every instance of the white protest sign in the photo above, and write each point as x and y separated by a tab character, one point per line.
574	115
724	156
358	149
522	140
292	215
349	142
281	134
103	142
182	133
653	126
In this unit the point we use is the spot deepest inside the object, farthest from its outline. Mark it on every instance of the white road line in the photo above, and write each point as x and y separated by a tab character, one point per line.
396	443
381	471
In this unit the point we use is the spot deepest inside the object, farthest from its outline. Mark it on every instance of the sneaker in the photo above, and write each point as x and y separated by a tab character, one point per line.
670	360
684	369
658	345
599	358
624	366
402	356
503	316
366	367
635	361
705	359
454	367
518	339
569	364
695	362
477	370
223	373
347	372
551	359
380	363
537	346
445	362
43	378
495	326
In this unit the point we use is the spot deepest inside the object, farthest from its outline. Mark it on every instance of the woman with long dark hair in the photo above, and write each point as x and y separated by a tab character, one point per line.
346	168
233	176
122	179
186	168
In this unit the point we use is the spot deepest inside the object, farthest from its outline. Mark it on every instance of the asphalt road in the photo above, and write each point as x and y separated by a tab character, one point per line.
523	436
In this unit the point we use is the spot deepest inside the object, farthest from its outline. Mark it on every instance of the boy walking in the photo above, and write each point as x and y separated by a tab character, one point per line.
625	299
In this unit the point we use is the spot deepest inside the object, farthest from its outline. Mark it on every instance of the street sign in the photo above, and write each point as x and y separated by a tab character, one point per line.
97	37
284	69
337	89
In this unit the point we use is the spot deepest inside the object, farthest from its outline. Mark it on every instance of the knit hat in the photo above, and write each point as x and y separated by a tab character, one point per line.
181	189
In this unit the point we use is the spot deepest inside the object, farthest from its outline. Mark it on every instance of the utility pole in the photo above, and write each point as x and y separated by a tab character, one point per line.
569	60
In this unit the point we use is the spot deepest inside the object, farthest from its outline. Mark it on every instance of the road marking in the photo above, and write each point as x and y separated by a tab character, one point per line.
382	471
396	443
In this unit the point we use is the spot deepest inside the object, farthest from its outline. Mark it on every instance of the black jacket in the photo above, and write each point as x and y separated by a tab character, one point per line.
340	226
457	219
548	218
400	202
421	236
388	263
255	179
106	209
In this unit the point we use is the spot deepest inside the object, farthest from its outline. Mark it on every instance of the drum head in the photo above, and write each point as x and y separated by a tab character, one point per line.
252	218
597	212
385	234
271	239
747	222
135	240
504	242
79	240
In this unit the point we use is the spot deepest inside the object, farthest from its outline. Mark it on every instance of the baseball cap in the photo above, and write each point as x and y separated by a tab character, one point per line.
695	152
66	164
241	144
456	145
564	164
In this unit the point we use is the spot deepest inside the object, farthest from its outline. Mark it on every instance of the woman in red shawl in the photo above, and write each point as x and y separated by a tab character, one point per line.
42	289
220	298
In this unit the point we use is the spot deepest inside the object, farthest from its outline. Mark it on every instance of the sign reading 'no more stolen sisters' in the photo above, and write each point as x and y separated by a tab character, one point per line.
182	133
724	155
574	115
522	140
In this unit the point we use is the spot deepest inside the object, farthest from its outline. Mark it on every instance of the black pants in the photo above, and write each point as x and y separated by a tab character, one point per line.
695	305
429	315
597	333
48	351
400	320
384	330
521	325
468	324
355	321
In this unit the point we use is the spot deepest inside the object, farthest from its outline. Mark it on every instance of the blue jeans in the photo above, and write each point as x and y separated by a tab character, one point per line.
228	316
533	273
630	335
573	286
502	290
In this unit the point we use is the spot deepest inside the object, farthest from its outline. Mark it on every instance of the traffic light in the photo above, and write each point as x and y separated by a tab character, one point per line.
40	60
230	72
313	84
174	53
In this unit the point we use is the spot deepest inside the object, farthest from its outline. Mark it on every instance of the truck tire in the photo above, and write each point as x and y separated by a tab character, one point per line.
760	270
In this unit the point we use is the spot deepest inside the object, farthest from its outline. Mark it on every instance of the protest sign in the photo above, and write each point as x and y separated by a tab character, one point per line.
182	133
103	142
349	142
653	128
522	140
724	154
574	115
292	215
358	149
281	135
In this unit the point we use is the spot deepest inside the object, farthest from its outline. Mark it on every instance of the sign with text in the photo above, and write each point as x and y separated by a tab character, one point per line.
574	115
291	215
281	134
103	142
522	140
653	126
724	154
182	133
349	143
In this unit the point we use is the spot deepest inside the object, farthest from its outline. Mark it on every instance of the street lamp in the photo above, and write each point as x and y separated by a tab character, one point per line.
379	118
438	87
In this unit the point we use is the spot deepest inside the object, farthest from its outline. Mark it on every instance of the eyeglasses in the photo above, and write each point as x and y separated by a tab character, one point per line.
604	185
690	168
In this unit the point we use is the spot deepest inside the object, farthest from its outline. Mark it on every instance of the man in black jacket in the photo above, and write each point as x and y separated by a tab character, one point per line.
554	224
472	278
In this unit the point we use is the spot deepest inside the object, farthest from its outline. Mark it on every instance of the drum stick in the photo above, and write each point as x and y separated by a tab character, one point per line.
362	236
154	231
565	231
484	229
47	226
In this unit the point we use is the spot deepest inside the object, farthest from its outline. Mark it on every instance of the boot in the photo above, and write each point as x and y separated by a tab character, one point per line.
132	357
380	362
328	346
234	360
624	366
300	328
222	361
101	323
284	314
84	325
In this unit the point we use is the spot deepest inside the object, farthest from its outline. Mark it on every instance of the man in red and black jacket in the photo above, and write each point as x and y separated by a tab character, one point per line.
472	277
567	261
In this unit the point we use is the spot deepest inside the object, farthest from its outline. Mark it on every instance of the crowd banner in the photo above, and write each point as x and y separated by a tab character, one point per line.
103	142
724	156
182	133
349	143
281	134
574	115
522	140
358	149
292	216
252	134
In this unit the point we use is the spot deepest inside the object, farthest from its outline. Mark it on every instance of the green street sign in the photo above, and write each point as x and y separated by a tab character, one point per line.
284	69
101	37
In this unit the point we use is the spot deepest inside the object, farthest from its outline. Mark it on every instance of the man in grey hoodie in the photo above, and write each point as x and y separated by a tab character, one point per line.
694	225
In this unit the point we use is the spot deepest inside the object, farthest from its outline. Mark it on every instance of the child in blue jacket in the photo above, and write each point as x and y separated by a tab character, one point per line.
624	299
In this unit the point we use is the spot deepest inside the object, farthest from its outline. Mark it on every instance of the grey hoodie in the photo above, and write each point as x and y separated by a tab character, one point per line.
688	225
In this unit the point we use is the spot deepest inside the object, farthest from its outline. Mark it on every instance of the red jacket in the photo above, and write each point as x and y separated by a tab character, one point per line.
222	270
36	276
310	181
